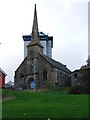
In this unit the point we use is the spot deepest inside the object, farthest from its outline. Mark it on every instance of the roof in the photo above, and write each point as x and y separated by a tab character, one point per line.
10	82
2	72
56	64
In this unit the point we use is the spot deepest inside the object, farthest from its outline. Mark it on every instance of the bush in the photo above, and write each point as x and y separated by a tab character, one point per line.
24	87
79	90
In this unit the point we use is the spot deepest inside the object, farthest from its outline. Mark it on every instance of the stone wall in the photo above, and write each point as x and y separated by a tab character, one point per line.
55	77
45	66
20	74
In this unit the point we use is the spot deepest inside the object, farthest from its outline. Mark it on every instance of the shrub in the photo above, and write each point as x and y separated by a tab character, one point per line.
24	87
79	90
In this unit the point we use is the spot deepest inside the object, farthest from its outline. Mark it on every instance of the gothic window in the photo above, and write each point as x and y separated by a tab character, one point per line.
31	69
60	73
44	75
21	79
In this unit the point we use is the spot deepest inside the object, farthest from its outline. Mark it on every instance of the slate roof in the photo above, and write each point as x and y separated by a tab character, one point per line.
56	64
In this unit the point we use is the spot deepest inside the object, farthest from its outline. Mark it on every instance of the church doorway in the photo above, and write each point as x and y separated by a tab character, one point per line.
31	84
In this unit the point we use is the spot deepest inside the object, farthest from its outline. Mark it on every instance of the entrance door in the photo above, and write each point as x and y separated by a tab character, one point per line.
32	85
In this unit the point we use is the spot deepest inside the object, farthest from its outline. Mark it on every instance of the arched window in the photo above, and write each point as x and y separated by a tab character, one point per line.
44	75
60	73
31	69
21	79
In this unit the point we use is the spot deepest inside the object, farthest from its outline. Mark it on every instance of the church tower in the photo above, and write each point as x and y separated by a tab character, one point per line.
34	48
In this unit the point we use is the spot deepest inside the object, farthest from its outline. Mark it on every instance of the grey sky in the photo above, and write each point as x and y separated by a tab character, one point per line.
67	22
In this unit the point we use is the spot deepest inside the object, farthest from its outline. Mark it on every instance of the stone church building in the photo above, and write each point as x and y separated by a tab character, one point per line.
38	71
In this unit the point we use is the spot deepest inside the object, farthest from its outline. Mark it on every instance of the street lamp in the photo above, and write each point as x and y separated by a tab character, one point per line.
34	76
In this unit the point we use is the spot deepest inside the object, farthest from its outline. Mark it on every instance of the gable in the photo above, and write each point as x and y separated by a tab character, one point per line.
22	66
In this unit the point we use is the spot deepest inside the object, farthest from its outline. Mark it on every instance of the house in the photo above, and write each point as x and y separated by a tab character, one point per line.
38	71
2	78
9	85
81	77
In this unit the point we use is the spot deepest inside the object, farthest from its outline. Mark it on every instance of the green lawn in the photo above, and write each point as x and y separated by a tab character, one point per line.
20	104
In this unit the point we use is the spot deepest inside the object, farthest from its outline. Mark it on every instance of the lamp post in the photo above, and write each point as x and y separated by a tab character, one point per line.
34	76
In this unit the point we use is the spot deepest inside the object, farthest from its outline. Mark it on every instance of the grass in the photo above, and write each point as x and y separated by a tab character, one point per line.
0	90
40	105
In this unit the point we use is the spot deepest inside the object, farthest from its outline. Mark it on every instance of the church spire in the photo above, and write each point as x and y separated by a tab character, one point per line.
35	31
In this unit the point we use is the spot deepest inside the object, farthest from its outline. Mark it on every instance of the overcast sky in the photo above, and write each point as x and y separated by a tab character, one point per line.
67	22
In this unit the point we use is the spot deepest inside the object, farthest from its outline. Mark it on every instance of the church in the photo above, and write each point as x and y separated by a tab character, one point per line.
38	70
